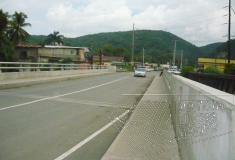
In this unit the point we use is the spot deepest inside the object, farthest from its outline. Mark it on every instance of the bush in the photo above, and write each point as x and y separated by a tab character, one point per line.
229	69
213	70
186	70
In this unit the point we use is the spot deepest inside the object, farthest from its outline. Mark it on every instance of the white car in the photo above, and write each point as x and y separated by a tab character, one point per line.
174	70
140	72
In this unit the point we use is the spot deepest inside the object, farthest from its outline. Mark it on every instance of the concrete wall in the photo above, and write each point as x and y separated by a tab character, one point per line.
31	53
59	53
203	118
39	74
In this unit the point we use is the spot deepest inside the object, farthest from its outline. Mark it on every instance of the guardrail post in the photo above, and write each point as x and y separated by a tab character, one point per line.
50	67
61	67
21	69
38	69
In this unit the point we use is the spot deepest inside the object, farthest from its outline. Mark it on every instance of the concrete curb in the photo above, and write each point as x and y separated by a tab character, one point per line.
29	82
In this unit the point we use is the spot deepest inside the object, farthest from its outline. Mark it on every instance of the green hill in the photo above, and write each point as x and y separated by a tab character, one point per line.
158	45
218	50
208	49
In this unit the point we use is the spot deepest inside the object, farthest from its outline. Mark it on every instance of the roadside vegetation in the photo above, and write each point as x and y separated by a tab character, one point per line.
186	70
213	70
230	69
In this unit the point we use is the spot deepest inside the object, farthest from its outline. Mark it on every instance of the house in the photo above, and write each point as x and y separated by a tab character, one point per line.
38	53
218	62
107	60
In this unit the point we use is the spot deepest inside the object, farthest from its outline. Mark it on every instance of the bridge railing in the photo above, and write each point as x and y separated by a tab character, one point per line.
29	66
203	119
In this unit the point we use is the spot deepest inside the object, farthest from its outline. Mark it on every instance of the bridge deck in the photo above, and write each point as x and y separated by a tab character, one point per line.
149	134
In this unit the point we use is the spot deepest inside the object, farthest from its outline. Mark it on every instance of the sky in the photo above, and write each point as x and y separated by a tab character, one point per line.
198	21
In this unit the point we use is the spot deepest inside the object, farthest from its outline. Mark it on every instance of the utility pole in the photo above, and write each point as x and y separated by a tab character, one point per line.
100	57
181	59
174	53
143	56
133	45
229	32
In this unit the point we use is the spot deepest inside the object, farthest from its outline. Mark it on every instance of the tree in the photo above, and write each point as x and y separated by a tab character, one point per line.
6	47
3	21
16	31
54	39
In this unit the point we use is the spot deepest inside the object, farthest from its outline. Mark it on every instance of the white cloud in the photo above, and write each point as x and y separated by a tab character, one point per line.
198	21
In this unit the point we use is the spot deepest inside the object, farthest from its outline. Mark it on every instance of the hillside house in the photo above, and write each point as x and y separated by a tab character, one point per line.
38	53
107	60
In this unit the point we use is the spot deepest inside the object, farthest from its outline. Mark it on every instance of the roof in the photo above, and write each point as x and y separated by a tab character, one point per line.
50	46
65	47
28	46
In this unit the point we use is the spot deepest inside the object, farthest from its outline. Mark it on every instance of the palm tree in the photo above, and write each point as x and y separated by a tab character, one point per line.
3	21
55	38
6	48
16	32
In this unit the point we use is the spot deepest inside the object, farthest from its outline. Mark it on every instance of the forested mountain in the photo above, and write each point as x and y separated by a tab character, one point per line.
159	45
218	50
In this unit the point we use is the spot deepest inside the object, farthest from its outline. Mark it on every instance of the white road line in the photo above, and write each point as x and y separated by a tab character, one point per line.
80	144
146	94
62	95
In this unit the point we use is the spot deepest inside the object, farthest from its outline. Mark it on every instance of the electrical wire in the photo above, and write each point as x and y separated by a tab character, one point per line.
233	10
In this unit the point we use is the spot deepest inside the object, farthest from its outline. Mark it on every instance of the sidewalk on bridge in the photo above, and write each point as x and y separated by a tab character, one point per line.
5	84
149	133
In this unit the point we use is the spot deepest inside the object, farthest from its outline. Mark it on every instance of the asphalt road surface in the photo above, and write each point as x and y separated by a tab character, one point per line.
72	120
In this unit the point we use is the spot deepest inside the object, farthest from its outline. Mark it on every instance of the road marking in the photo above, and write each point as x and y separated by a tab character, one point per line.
62	95
80	144
146	94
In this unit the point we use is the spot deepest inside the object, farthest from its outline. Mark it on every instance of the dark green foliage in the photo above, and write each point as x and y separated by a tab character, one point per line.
40	39
6	47
218	50
222	50
11	33
54	39
186	70
3	21
207	50
16	32
158	45
212	69
230	69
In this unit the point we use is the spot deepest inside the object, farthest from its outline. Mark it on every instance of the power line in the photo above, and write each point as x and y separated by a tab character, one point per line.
233	11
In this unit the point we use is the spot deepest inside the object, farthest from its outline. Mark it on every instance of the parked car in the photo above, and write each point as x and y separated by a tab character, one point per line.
140	72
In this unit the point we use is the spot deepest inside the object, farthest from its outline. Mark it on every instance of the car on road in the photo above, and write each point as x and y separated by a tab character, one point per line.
140	72
174	70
